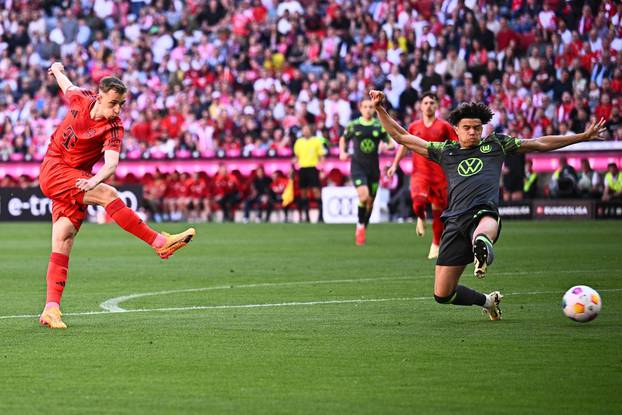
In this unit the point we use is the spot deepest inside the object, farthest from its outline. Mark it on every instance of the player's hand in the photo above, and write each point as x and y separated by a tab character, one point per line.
56	66
391	170
343	156
596	131
86	185
377	97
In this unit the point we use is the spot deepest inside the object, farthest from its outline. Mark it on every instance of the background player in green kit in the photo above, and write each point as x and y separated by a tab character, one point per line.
366	133
473	168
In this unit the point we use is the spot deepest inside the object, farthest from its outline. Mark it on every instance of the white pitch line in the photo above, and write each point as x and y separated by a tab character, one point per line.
112	304
288	304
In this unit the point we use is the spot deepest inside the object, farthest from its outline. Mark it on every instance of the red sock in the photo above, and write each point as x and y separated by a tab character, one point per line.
129	220
56	277
419	207
437	226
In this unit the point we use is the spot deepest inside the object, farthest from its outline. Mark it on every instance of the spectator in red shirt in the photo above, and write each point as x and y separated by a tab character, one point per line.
172	123
141	130
505	35
226	191
604	108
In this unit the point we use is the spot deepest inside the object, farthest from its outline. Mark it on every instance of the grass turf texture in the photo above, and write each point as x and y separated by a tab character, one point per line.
398	356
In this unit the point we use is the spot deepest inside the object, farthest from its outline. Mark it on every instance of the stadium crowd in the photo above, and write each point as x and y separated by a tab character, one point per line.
240	78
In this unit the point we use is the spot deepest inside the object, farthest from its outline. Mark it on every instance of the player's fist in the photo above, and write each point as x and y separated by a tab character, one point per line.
596	130
343	156
391	170
376	97
56	66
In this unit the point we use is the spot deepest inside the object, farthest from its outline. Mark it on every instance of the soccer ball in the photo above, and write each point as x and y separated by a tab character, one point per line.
581	303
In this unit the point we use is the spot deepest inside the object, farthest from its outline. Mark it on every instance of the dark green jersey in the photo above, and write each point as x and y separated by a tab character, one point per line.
472	174
366	136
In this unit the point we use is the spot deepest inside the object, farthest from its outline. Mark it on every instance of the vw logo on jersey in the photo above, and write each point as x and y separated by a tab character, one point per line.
470	166
367	145
486	148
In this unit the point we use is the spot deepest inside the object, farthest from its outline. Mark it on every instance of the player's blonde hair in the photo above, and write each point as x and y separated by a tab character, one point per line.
112	82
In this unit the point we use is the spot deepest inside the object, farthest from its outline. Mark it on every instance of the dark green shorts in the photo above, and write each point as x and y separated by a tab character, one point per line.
456	247
365	177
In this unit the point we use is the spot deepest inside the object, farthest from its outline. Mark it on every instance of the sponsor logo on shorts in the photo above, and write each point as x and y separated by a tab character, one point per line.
470	166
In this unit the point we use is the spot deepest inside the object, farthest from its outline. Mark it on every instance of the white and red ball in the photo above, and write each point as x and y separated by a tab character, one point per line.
581	303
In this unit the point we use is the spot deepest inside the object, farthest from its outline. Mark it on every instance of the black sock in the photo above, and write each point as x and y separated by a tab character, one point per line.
467	296
362	214
367	216
306	209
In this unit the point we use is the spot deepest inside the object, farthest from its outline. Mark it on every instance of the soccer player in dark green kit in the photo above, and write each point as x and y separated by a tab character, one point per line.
473	168
366	133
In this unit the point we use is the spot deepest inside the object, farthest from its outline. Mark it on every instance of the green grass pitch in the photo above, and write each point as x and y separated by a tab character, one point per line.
295	319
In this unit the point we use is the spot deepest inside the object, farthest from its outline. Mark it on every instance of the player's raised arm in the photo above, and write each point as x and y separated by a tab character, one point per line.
399	134
595	131
111	161
57	70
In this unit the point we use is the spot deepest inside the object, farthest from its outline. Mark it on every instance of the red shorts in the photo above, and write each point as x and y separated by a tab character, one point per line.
433	190
58	182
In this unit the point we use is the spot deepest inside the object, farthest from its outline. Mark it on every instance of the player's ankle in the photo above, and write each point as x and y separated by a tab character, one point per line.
51	304
159	241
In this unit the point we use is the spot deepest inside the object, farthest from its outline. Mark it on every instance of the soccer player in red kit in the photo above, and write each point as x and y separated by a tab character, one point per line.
92	127
428	183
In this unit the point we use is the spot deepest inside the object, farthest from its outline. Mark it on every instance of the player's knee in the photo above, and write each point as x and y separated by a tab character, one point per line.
108	194
444	299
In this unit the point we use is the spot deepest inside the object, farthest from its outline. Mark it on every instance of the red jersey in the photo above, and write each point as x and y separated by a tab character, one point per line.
225	184
440	130
80	141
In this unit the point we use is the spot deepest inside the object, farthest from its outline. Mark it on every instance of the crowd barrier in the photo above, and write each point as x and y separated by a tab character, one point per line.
339	206
543	163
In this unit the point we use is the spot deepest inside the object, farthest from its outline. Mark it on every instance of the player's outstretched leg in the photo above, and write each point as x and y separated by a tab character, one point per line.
483	253
164	244
447	291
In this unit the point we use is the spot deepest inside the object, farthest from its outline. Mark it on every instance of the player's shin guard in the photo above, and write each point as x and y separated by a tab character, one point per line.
462	296
419	206
127	219
362	213
437	226
56	277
